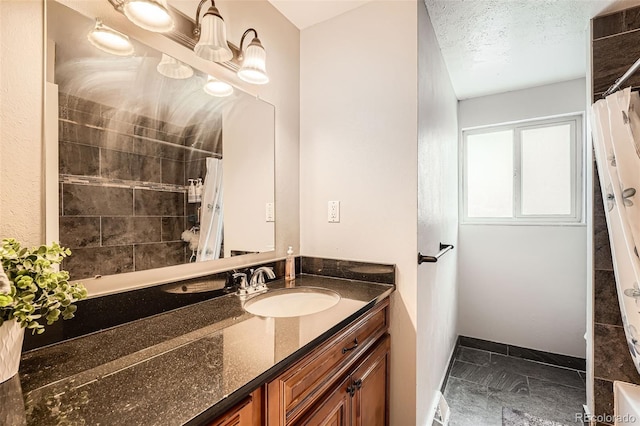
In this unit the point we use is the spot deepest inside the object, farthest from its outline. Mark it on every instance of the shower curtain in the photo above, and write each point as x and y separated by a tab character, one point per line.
210	241
616	136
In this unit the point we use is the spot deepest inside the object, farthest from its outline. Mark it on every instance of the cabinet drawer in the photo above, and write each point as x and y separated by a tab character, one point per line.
295	390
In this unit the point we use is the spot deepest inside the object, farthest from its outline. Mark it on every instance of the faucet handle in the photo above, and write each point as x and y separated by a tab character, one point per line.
243	286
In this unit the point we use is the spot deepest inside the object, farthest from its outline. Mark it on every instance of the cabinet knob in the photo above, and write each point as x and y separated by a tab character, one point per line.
355	345
358	384
351	390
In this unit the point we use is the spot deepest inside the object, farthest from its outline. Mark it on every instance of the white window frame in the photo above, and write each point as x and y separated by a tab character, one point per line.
576	217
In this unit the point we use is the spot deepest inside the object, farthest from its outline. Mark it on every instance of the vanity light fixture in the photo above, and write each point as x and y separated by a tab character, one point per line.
215	87
212	35
253	69
109	40
173	68
152	15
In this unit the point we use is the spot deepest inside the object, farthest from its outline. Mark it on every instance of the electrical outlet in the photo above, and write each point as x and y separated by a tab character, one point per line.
269	212
333	211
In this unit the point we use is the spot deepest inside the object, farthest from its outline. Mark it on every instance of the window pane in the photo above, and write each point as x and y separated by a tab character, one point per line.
490	174
546	170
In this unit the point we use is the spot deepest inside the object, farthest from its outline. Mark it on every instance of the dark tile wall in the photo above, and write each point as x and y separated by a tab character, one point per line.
615	47
123	195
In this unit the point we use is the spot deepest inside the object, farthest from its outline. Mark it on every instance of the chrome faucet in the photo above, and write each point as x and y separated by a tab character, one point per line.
257	280
252	281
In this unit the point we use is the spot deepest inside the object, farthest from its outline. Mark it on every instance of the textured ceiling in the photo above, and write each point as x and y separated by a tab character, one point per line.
489	46
493	46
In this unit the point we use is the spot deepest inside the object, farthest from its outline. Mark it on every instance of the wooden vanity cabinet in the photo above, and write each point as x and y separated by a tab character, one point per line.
360	399
249	412
344	381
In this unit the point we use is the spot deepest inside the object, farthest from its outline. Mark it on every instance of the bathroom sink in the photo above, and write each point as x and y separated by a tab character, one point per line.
292	302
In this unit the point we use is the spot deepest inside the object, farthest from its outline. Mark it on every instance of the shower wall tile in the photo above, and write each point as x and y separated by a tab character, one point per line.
158	203
82	117
130	230
149	256
612	57
174	152
134	229
79	133
602	250
173	129
612	359
606	308
172	172
616	23
603	396
81	160
122	165
90	200
154	149
196	169
115	141
78	231
598	202
88	262
172	228
90	136
608	25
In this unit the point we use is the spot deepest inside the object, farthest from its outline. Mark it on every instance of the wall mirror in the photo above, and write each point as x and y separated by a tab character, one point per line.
152	171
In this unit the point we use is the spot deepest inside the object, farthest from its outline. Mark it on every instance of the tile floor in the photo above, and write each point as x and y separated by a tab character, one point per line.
480	383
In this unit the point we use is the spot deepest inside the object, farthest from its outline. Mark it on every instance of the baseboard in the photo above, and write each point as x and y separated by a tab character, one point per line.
558	360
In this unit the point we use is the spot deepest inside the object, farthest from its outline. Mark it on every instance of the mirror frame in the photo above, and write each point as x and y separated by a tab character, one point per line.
110	284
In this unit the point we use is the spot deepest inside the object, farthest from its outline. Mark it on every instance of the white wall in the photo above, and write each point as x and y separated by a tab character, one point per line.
21	87
395	176
247	145
524	285
437	217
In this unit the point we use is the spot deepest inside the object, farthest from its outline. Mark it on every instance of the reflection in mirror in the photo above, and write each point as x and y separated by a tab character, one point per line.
154	171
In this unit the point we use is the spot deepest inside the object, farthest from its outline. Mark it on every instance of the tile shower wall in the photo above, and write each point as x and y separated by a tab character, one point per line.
123	203
616	45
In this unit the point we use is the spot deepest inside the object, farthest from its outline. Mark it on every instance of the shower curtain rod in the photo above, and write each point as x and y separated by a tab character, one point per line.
622	79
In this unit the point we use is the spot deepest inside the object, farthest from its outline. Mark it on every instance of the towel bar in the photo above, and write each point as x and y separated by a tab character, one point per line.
432	259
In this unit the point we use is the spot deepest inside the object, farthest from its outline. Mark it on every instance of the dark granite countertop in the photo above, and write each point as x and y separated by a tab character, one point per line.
184	366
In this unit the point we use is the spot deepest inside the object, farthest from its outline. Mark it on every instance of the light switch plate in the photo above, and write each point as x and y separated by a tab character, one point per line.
270	212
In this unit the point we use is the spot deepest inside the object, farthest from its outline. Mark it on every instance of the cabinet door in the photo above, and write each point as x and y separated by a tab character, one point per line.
333	410
371	383
247	413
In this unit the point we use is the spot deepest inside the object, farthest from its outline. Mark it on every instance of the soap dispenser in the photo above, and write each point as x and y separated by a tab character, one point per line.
199	191
191	191
290	268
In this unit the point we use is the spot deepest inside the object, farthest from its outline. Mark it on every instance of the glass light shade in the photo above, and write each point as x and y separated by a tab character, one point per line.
215	87
253	68
173	68
109	40
212	45
152	15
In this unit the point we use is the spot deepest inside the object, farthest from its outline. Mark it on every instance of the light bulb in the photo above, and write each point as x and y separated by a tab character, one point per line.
109	40
215	87
152	15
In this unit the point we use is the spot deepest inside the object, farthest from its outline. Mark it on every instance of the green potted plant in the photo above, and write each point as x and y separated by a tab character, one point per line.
32	290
